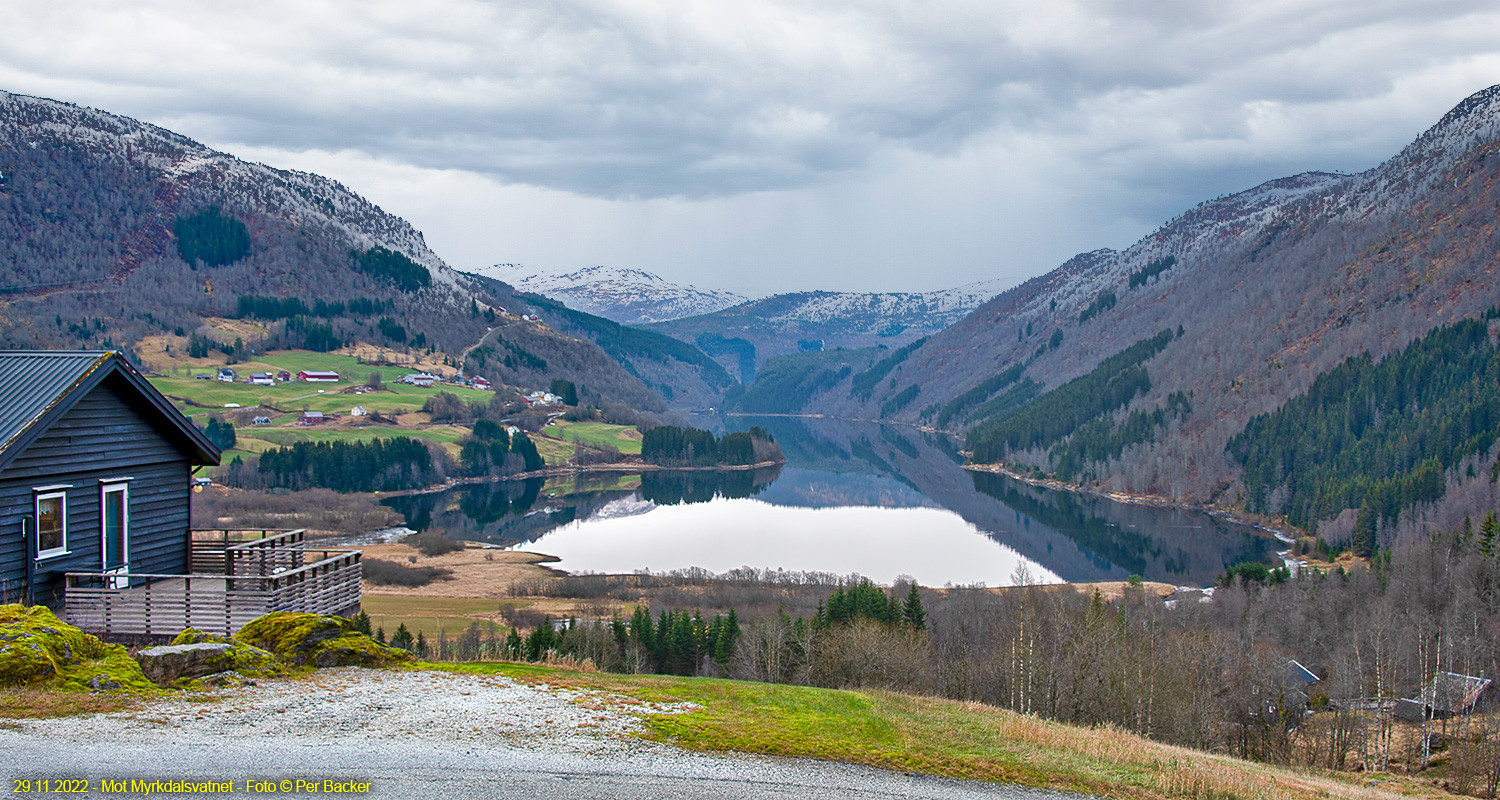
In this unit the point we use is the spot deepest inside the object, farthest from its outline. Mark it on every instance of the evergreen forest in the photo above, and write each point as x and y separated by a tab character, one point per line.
669	445
209	237
1377	436
382	465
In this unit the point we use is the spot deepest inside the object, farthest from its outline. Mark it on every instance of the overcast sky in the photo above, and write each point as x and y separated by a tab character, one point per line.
769	146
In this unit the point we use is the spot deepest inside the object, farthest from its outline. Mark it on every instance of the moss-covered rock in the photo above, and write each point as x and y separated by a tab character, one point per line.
318	641
243	658
38	649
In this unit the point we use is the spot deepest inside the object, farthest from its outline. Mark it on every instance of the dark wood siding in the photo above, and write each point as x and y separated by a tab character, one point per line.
100	438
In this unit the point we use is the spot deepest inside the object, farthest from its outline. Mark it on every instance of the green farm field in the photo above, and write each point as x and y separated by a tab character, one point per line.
623	437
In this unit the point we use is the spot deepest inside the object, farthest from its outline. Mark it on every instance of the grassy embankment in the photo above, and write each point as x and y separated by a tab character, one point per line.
889	731
941	737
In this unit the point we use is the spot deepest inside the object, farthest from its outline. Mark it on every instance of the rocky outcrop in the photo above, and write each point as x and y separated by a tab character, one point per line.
165	664
318	641
39	650
244	659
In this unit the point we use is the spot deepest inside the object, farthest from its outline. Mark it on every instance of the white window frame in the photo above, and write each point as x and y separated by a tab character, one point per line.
49	493
119	486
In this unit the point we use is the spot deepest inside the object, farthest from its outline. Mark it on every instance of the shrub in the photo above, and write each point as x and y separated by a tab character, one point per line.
389	573
432	543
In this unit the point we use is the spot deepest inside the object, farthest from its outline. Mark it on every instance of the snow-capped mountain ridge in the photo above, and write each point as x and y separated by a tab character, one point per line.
627	296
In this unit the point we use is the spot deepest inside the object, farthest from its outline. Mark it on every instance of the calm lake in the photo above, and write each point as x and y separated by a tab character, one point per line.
853	498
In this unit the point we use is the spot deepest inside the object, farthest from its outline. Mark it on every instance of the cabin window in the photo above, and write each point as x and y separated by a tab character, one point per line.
114	520
51	524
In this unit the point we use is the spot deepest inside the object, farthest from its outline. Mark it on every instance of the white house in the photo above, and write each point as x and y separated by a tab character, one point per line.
359	411
262	379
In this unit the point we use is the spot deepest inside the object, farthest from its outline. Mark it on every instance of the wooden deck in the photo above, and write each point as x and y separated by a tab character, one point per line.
238	576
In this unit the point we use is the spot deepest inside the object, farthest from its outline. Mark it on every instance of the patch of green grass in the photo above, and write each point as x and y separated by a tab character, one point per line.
932	736
623	437
552	451
286	436
429	615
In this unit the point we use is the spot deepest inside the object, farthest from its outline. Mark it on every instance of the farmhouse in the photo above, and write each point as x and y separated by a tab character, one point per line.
262	379
226	374
318	376
95	494
1449	695
311	418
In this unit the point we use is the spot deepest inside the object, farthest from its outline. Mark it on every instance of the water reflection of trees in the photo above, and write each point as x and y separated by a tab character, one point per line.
482	503
674	488
513	512
1157	546
491	502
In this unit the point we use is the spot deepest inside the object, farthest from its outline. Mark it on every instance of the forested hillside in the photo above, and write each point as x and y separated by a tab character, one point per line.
1261	292
113	230
680	372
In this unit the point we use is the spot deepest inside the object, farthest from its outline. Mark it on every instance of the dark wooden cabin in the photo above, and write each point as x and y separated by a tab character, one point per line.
95	511
95	466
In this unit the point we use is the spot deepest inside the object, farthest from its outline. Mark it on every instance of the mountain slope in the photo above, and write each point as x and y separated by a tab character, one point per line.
1260	293
682	373
790	323
96	211
627	296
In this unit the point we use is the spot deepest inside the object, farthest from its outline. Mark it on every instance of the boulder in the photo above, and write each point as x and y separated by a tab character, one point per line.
318	641
167	663
245	659
38	649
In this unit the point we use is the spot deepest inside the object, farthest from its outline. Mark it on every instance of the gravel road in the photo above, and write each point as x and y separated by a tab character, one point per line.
422	735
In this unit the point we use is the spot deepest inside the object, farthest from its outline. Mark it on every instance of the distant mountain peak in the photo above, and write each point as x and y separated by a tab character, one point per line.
625	295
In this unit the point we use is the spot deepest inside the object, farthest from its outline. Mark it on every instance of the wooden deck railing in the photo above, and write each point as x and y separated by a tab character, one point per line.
215	552
256	581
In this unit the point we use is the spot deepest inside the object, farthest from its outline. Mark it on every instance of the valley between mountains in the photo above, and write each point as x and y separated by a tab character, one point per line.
1260	294
1318	355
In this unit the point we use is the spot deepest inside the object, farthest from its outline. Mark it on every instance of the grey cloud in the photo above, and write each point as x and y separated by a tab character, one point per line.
703	100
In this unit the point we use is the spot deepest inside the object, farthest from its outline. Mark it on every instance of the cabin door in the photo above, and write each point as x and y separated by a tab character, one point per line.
114	521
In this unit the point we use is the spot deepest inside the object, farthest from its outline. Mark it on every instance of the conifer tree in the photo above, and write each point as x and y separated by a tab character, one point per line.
522	446
913	613
728	635
402	638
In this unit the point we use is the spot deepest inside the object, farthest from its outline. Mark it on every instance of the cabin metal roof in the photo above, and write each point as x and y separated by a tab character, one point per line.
39	386
1452	692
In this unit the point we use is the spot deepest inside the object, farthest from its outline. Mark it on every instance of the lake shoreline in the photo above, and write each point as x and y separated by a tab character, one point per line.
623	467
1284	536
